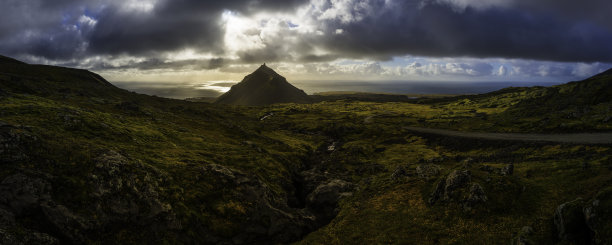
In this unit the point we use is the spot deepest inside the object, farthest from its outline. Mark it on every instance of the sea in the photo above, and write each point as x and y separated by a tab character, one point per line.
183	90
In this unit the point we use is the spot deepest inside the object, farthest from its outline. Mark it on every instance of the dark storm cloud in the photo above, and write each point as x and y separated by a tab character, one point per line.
37	27
440	30
559	30
171	25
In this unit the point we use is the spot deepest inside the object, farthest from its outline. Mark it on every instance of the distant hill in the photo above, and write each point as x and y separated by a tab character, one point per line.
577	106
45	80
263	87
574	97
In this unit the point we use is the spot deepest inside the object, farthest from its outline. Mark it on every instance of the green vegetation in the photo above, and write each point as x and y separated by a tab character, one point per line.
170	171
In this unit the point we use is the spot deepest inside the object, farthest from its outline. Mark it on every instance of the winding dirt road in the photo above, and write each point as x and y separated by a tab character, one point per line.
578	138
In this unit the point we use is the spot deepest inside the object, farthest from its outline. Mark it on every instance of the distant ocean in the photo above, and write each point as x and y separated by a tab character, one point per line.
178	90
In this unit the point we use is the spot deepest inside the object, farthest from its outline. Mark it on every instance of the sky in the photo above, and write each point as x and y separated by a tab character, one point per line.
219	42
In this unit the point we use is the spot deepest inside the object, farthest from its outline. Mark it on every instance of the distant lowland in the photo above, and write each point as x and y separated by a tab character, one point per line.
214	89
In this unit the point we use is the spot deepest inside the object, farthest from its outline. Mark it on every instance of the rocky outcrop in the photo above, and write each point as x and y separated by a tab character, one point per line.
456	188
15	142
22	195
269	218
570	223
127	191
598	217
447	185
324	199
124	192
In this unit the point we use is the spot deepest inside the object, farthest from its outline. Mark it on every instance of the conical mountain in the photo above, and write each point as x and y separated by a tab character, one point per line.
263	87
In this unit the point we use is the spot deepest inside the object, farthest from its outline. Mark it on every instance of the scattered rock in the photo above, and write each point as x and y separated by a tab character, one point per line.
467	163
27	238
445	188
507	170
476	195
598	217
266	116
585	165
332	147
455	180
489	169
399	173
427	171
128	106
329	193
524	237
570	223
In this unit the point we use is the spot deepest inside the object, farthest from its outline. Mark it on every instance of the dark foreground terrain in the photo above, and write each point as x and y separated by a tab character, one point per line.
83	162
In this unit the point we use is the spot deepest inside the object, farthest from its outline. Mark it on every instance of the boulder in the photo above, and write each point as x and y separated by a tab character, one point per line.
324	199
476	195
507	170
399	173
329	193
456	188
570	223
427	171
455	180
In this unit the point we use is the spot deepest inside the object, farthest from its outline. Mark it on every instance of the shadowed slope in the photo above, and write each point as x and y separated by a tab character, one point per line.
263	87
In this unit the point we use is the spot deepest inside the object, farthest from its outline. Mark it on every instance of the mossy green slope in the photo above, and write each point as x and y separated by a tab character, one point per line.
195	173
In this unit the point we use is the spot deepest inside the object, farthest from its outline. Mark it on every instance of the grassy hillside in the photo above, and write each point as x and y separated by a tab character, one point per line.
86	162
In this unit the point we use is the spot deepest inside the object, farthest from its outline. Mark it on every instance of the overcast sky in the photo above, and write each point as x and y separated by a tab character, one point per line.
199	40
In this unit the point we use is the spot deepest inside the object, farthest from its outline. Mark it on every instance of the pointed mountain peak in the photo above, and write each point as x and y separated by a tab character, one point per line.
263	87
266	70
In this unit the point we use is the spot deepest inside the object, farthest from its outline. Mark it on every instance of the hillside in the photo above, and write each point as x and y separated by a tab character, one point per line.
263	87
84	162
581	106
